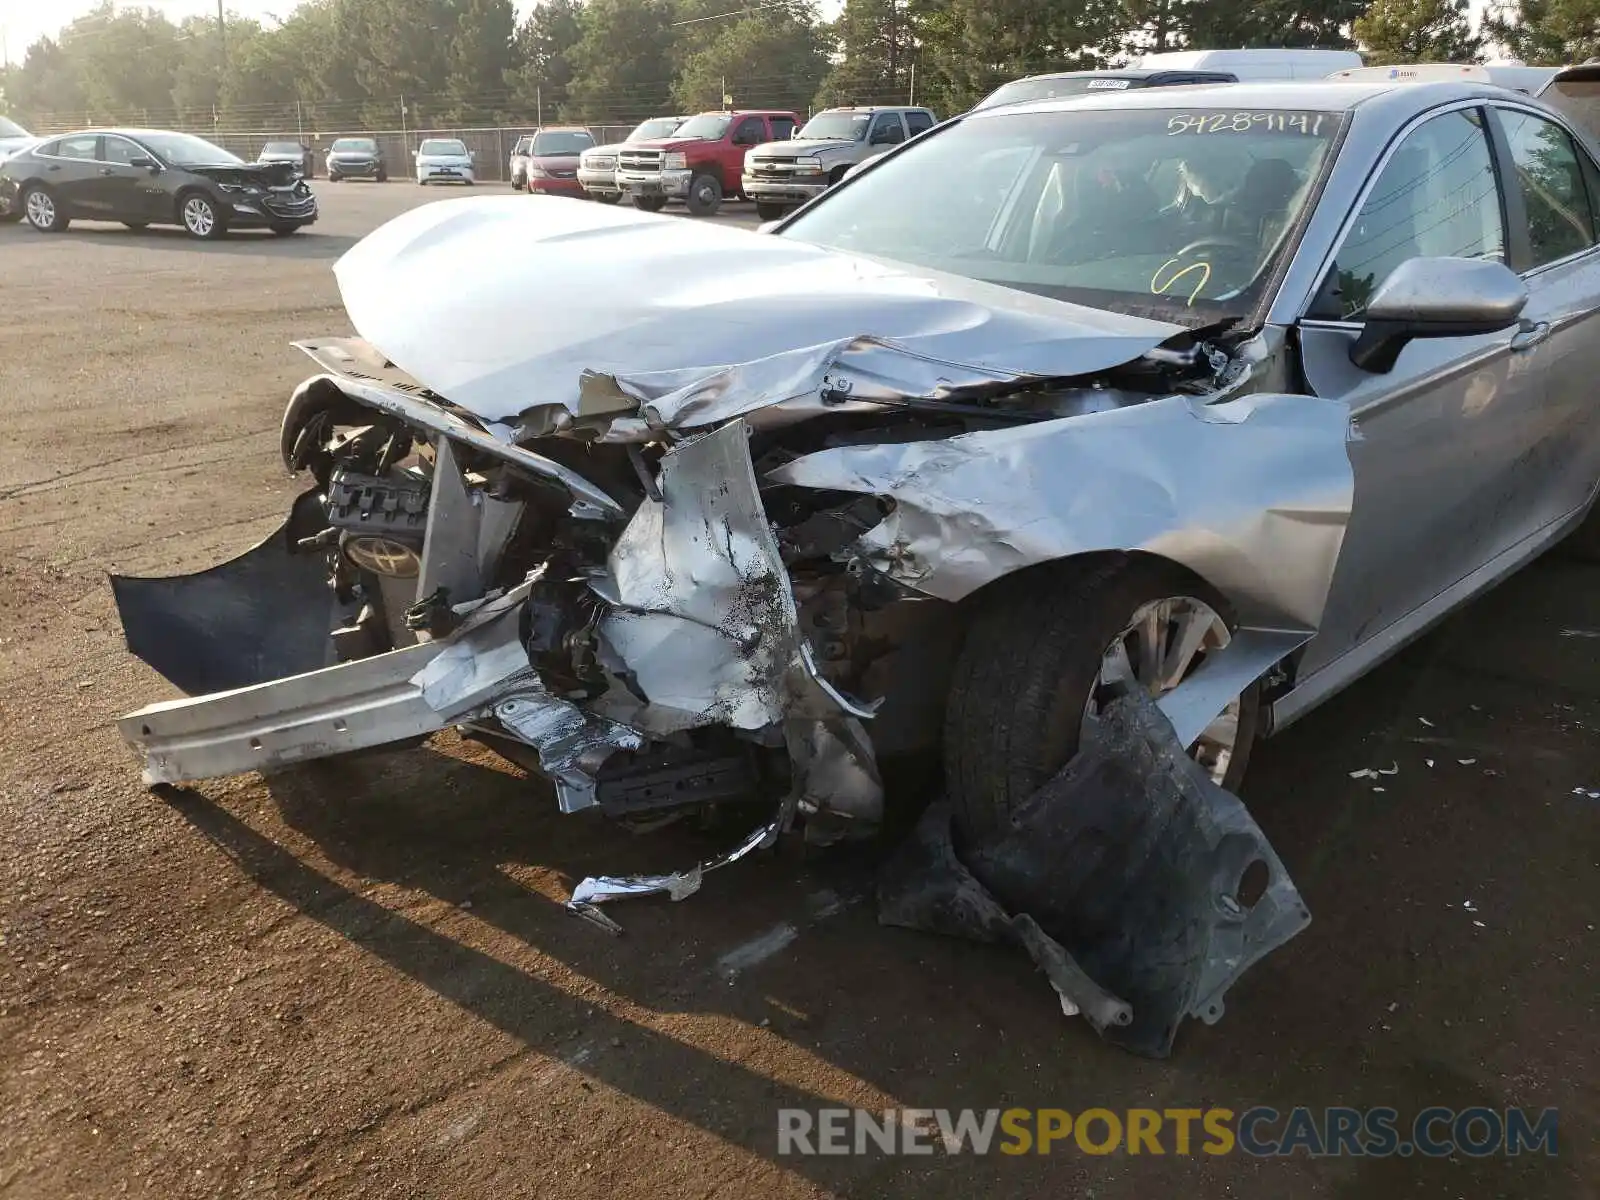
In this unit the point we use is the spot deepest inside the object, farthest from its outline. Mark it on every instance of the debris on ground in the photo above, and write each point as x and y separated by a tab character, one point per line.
1126	878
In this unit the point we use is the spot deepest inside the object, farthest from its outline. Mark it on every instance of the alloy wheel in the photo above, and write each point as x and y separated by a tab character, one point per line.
41	210
199	218
1163	643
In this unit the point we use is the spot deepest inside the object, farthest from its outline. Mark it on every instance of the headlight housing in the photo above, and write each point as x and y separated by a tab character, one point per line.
675	160
808	164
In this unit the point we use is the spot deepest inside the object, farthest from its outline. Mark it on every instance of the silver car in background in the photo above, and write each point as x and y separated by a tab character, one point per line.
597	166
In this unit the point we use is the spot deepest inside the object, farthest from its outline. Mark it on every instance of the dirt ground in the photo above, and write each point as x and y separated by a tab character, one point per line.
356	979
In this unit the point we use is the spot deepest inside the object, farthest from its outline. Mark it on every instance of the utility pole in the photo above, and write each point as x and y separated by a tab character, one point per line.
912	98
222	34
538	104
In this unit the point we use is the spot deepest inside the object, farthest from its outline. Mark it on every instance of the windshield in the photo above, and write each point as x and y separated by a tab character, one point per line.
355	145
564	141
1049	88
837	126
1578	99
710	126
11	129
656	127
282	148
186	150
1179	213
443	146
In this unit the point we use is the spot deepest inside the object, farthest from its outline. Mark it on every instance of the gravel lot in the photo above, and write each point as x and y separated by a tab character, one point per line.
356	979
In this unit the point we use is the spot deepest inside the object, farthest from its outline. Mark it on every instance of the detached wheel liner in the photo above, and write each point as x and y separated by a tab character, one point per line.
1032	658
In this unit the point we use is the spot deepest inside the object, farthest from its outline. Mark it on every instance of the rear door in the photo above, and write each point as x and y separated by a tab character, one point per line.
1553	200
72	172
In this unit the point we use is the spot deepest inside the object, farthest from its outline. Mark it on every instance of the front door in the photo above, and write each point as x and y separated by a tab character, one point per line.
123	191
1430	435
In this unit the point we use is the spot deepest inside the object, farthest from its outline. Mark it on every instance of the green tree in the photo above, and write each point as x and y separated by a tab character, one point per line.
479	57
1409	31
622	65
876	47
542	68
773	58
47	86
125	63
1546	32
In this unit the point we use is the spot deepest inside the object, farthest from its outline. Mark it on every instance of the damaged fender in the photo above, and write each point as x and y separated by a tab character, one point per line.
1253	495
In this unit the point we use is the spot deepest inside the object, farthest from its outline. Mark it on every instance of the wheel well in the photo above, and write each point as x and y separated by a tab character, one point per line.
1072	568
193	189
835	175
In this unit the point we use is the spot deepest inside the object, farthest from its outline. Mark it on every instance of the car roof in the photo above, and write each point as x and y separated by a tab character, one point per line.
873	108
1122	73
560	129
1307	95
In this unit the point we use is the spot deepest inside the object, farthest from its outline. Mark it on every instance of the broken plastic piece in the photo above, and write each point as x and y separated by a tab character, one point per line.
1131	861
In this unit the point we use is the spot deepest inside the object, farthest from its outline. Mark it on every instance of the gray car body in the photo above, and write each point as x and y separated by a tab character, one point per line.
1414	490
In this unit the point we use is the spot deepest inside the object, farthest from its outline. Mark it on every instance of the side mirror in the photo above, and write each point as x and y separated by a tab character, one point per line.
1436	297
145	161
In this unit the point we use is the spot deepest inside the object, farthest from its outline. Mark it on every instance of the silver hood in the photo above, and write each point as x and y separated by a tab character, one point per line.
801	146
673	313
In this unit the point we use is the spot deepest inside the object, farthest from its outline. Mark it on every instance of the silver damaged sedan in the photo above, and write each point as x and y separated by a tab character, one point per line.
1226	393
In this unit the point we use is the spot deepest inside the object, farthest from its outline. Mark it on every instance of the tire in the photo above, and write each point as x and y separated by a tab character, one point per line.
1032	658
650	203
43	213
137	226
383	177
705	196
422	183
770	212
200	217
285	230
332	178
608	197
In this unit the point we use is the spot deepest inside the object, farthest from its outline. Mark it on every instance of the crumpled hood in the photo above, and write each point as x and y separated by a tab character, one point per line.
259	174
628	294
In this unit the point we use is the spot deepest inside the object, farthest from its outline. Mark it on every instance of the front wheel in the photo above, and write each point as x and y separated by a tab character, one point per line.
383	177
285	230
200	218
649	203
705	196
43	213
1046	648
770	212
607	197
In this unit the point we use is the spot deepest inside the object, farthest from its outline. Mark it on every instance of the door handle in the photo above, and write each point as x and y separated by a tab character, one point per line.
1530	335
107	171
54	167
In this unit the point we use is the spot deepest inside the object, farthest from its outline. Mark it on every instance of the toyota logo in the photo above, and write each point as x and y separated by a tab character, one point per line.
382	555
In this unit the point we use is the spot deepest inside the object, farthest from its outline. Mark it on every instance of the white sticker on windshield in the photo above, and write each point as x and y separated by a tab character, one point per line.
1112	84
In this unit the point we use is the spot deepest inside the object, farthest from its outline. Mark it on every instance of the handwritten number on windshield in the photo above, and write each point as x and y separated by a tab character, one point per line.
1160	286
1309	124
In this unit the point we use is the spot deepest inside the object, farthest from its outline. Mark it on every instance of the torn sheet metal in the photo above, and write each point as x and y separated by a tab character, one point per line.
602	889
1130	863
704	619
572	744
357	705
1253	495
707	304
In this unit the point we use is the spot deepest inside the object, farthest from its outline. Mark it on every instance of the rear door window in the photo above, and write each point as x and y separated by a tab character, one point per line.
85	147
1550	176
782	128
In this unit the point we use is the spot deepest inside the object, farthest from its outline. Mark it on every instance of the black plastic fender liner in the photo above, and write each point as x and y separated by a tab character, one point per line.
263	615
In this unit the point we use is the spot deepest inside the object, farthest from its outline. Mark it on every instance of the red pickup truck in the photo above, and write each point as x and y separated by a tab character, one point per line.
702	162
